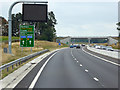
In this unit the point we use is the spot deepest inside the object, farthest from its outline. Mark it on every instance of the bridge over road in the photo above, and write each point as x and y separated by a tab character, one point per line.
108	40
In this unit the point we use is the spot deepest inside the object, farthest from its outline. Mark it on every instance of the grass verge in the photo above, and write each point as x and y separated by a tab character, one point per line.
5	38
15	67
18	52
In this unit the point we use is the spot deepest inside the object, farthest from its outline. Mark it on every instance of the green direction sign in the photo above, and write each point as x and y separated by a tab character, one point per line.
26	36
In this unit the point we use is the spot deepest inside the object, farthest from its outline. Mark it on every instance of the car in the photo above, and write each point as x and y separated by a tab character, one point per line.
97	46
78	46
74	45
83	45
103	47
71	46
109	48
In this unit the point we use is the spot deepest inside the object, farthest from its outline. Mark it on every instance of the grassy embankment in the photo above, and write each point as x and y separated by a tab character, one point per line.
5	38
18	53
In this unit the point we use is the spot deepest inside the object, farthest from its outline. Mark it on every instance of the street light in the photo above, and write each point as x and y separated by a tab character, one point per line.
10	18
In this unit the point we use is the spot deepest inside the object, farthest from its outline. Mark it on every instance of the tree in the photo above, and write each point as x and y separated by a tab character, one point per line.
16	21
47	30
43	30
4	26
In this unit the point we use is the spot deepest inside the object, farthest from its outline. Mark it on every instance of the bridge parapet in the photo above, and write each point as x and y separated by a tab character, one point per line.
89	40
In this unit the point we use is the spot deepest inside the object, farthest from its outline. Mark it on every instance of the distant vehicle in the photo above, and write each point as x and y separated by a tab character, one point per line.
74	45
83	45
97	46
109	48
78	46
90	45
103	47
71	46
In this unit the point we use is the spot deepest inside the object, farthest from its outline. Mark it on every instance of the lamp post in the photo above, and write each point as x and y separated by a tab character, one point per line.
10	19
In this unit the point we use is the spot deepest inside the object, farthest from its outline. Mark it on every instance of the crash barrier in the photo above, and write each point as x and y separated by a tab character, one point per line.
21	60
104	52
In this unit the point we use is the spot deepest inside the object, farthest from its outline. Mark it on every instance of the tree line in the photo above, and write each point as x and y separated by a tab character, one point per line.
43	30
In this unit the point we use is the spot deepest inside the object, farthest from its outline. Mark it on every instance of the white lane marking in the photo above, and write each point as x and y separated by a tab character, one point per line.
96	79
72	55
77	61
40	71
81	65
86	70
102	58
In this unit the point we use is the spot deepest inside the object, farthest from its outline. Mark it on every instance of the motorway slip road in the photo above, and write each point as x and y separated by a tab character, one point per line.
72	68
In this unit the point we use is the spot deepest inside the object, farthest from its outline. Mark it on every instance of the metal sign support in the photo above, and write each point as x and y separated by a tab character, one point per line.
10	19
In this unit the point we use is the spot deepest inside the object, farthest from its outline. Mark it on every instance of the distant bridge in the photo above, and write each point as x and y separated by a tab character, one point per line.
89	40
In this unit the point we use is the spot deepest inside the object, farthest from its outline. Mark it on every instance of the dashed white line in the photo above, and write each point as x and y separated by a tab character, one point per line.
86	70
81	65
77	61
96	79
72	55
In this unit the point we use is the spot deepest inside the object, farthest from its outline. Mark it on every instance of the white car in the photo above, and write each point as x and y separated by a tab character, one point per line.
97	46
109	48
103	47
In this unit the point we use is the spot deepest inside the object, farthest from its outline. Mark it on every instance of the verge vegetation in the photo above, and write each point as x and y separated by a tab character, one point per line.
18	52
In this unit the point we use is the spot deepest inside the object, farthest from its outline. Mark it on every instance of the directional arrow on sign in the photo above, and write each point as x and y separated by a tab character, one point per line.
23	42
30	41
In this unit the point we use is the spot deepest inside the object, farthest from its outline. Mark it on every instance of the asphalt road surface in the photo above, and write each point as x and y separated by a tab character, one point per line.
73	68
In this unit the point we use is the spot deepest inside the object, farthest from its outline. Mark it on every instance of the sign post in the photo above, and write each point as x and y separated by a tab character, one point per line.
10	19
26	36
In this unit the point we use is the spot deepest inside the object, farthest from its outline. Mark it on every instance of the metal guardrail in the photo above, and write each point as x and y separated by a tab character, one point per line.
21	60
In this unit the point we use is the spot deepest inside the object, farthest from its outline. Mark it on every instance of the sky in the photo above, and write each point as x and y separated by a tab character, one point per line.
78	18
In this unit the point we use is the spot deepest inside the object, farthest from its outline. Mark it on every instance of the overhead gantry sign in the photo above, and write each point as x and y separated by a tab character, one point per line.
27	17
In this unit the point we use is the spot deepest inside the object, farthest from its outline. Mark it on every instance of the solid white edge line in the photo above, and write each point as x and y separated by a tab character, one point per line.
101	58
40	71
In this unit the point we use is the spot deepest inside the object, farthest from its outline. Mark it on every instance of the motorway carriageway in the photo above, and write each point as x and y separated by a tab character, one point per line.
72	68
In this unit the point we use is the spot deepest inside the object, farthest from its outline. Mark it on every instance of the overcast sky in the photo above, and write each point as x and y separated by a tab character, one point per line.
78	17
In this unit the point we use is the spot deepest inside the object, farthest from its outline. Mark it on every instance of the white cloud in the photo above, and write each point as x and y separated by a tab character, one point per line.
83	0
99	29
0	10
20	0
77	26
5	4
